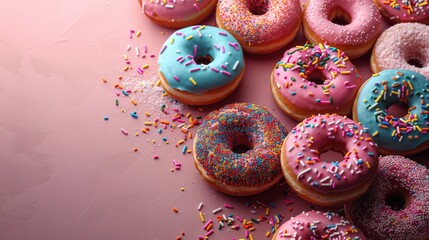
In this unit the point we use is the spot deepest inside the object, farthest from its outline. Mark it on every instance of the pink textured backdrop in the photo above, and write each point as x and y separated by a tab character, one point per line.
65	172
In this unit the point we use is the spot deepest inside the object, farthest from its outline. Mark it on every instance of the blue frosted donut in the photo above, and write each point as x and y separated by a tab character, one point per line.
240	172
404	135
200	64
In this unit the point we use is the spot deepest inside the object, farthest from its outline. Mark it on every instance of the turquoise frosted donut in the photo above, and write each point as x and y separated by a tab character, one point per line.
395	135
200	64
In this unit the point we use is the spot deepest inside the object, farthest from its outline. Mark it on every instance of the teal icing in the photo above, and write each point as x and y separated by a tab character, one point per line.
390	87
177	59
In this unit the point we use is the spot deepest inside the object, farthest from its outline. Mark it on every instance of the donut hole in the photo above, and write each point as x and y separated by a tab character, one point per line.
241	143
339	16
316	77
257	7
203	59
331	155
398	109
415	62
397	199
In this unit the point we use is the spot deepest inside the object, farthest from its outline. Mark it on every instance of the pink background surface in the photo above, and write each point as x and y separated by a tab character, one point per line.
65	172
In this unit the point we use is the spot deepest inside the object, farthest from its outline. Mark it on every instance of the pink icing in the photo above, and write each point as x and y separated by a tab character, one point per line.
341	84
280	18
406	10
174	9
317	134
365	21
318	225
400	43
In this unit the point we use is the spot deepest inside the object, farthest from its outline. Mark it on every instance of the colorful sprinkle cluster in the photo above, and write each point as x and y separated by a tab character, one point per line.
309	138
401	176
234	125
293	75
319	225
411	7
391	87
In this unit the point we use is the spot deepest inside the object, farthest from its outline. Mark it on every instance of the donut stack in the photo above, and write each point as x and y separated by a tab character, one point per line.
242	149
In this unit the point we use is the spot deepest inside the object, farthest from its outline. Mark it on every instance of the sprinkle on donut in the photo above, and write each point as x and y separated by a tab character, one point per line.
404	10
404	184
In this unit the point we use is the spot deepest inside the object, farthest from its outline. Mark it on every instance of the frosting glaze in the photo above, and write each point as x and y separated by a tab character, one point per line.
179	56
399	44
406	179
292	76
404	10
240	124
259	21
172	9
365	21
317	134
318	225
390	87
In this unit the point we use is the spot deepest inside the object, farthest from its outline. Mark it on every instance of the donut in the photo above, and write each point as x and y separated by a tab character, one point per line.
261	26
393	105
237	149
314	79
177	14
402	46
396	205
329	183
200	65
397	11
350	25
318	225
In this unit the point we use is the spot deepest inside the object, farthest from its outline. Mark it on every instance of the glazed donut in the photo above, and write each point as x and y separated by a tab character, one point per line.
406	134
314	79
350	25
397	11
402	46
220	149
177	14
200	65
318	225
329	183
261	26
396	205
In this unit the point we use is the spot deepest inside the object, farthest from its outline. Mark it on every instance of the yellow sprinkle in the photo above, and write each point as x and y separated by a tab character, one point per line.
189	37
126	68
125	56
180	142
138	33
267	234
158	82
394	132
192	81
202	27
172	41
411	85
134	102
145	66
375	133
418	128
251	237
321	46
345	72
148	123
267	211
375	74
368	165
202	217
164	94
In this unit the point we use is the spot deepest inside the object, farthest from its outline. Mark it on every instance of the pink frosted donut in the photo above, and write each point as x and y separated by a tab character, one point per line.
350	25
177	13
329	183
318	225
314	79
396	11
397	204
402	46
261	26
